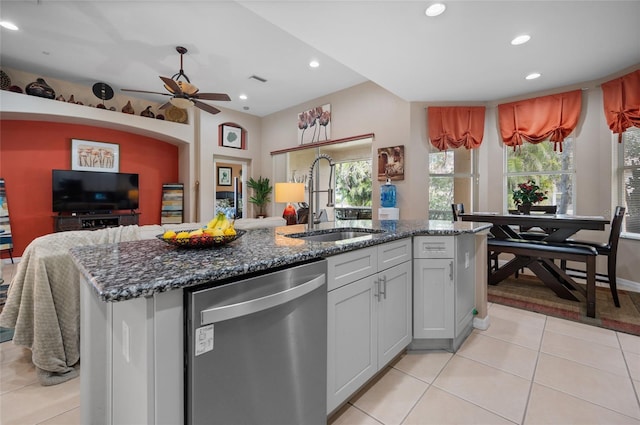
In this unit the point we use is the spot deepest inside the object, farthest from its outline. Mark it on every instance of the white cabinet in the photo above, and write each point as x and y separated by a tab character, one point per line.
443	291
369	315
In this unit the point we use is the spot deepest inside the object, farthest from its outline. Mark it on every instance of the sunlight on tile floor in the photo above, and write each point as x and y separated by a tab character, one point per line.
527	368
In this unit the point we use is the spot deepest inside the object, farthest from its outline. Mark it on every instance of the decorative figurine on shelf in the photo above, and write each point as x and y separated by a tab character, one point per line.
147	113
40	88
128	109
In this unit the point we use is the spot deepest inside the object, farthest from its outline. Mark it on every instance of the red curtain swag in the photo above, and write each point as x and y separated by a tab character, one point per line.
621	99
455	126
551	117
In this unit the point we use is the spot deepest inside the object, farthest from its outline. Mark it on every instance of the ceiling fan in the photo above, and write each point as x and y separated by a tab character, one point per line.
183	93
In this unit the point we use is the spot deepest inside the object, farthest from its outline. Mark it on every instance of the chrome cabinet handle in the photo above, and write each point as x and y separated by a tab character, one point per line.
384	285
451	270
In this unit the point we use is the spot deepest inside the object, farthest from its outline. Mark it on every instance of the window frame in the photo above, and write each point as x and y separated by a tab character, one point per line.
619	188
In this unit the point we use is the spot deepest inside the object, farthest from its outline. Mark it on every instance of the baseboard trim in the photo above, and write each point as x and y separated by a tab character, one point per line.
481	324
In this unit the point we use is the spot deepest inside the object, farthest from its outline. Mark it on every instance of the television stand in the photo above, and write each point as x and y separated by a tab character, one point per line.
63	223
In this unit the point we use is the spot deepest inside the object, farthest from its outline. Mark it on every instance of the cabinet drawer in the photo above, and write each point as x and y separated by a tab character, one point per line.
351	266
433	247
393	253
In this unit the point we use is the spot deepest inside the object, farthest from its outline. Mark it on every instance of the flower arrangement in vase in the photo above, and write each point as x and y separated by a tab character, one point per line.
527	194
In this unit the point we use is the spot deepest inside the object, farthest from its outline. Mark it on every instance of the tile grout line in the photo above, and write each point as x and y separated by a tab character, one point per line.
626	363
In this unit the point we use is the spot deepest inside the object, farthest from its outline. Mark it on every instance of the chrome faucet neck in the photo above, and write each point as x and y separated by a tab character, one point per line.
313	190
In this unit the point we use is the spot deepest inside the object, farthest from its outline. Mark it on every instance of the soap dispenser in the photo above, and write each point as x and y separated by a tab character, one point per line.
388	195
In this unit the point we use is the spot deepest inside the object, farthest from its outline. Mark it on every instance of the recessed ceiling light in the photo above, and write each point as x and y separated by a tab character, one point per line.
314	64
243	97
435	9
533	76
8	25
521	39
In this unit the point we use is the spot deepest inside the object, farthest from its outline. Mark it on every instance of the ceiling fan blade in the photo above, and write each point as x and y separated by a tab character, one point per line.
165	106
205	107
172	86
212	96
145	91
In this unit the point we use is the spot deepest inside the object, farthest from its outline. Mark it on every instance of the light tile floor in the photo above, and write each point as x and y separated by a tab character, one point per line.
527	368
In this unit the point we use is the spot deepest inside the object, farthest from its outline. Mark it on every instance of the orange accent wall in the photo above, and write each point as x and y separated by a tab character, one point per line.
29	150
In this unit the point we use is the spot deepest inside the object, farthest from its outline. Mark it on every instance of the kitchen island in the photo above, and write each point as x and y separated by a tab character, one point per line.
132	314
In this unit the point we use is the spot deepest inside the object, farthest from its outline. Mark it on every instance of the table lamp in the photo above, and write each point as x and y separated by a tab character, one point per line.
290	192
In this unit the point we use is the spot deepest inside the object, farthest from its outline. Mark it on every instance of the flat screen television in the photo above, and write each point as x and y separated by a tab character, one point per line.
94	192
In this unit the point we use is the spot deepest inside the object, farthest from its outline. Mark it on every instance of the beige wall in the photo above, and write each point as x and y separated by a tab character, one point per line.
368	108
364	108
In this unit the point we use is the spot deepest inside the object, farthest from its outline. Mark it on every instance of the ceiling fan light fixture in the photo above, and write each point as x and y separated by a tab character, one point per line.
180	102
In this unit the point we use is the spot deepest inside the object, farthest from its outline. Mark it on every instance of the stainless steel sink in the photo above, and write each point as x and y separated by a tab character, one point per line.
334	235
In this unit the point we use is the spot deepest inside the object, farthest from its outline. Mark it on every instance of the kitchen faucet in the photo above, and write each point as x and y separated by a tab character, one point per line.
315	191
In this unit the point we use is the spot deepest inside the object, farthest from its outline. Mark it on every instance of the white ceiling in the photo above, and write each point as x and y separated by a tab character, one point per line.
463	55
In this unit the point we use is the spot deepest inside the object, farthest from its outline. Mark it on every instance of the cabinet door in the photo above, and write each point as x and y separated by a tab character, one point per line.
433	298
352	339
394	311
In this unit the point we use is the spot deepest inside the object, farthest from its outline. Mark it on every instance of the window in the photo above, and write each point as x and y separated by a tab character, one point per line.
451	178
553	171
353	183
629	178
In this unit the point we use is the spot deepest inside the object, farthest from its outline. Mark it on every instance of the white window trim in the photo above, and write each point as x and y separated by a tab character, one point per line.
618	178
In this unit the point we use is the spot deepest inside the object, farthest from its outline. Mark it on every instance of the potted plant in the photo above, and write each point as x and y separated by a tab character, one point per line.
526	194
263	189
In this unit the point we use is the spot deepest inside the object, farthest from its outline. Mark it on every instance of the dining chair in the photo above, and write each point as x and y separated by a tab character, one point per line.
492	257
457	209
534	235
526	232
609	249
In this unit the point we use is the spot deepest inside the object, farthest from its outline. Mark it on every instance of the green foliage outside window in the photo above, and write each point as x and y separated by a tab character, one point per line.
353	183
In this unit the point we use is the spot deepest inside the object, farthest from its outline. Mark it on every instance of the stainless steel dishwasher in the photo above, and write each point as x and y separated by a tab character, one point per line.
257	349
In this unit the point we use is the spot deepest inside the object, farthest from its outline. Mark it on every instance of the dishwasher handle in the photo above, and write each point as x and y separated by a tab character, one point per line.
226	312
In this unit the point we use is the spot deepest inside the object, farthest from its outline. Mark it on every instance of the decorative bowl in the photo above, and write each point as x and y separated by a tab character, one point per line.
202	241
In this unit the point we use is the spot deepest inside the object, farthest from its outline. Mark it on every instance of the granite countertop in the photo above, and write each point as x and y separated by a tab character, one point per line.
128	270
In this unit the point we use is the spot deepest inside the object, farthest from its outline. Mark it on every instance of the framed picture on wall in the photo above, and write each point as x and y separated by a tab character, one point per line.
224	176
94	156
391	163
231	136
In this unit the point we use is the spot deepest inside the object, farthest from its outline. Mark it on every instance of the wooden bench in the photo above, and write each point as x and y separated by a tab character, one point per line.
539	256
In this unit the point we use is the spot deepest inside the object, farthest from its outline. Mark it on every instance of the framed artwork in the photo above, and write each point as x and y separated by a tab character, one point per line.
391	163
95	156
231	136
314	125
224	176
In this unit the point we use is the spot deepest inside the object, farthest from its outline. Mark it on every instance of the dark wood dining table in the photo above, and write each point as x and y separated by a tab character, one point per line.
560	228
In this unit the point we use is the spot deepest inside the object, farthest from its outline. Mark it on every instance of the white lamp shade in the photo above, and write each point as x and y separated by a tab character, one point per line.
289	192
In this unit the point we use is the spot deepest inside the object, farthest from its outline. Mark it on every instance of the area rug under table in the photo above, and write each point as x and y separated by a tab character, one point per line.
529	293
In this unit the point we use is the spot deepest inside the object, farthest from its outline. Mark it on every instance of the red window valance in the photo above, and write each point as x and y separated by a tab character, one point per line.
455	126
551	117
621	99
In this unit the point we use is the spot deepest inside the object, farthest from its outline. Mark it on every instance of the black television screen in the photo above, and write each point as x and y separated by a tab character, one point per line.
91	191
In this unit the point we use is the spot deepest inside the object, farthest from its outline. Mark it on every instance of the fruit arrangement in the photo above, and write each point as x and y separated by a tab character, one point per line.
218	231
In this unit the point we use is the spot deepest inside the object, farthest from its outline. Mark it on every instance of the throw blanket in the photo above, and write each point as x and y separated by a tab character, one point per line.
43	303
